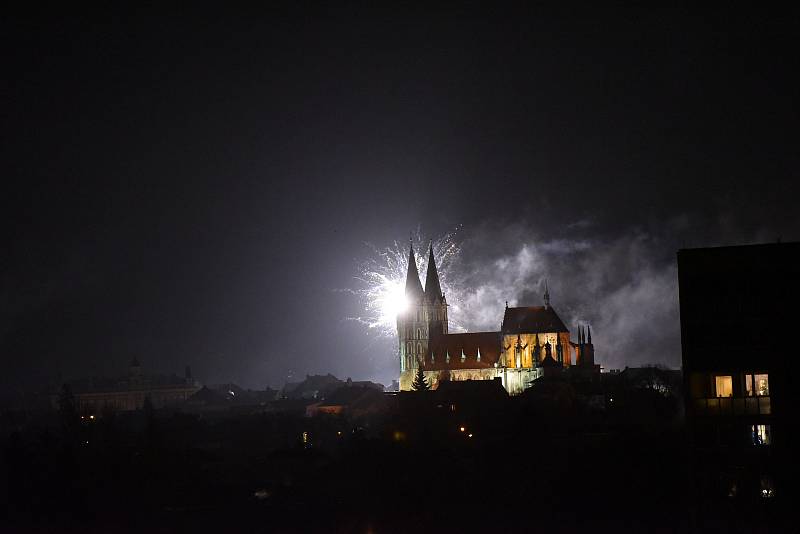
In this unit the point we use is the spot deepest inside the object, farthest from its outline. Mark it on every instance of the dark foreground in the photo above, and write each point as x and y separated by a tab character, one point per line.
412	470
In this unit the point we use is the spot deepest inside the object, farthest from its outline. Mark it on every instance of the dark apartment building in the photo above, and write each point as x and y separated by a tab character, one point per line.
740	332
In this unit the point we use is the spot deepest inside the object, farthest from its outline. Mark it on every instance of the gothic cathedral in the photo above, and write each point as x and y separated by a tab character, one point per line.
532	342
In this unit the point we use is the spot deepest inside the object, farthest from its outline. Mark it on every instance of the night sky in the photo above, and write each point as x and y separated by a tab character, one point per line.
201	188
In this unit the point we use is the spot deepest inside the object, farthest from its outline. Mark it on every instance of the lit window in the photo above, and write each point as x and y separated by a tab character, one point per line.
761	385
724	386
761	434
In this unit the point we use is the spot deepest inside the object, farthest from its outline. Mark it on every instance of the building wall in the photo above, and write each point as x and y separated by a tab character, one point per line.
129	400
406	379
434	378
510	341
518	380
732	299
414	330
515	381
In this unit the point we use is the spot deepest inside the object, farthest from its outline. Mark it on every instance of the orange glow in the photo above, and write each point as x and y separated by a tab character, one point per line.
462	429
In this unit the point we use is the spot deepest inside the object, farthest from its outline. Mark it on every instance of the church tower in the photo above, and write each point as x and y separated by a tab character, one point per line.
435	302
425	316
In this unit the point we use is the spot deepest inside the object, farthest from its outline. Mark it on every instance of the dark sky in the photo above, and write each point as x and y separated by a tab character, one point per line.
196	188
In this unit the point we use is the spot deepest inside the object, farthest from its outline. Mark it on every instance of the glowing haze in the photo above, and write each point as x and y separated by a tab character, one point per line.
625	286
382	281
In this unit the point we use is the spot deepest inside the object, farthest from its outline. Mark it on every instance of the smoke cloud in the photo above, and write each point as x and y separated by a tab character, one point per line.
620	279
624	287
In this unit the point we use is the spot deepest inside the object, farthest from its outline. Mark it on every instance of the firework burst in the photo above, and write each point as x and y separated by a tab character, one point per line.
382	280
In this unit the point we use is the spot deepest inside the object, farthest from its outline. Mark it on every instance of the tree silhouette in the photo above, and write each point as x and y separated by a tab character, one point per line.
419	383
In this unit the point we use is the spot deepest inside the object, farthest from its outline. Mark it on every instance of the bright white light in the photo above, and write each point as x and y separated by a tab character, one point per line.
382	281
392	301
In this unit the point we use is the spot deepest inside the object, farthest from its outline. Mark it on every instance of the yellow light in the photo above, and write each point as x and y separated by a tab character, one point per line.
462	429
91	417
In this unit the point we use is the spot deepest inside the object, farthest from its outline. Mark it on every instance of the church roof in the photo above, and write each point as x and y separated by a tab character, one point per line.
532	319
413	285
469	343
433	289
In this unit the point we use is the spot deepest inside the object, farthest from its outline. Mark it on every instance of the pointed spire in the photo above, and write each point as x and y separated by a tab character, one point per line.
433	290
589	332
463	356
413	285
479	354
559	349
546	295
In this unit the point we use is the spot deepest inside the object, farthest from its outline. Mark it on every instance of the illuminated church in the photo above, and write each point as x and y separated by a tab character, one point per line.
532	342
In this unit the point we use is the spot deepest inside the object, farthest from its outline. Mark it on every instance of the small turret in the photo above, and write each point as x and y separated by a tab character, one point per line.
559	350
548	360
588	348
546	295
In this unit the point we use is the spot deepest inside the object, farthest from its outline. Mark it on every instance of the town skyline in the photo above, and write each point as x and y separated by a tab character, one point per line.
204	190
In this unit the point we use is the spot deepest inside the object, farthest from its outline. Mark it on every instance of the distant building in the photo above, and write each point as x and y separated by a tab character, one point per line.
229	397
739	371
352	401
320	386
532	342
127	393
313	387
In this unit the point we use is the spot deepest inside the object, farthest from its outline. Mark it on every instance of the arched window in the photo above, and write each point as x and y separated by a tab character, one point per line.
419	333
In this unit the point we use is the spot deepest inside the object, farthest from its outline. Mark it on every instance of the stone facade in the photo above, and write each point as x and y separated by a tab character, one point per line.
532	340
128	393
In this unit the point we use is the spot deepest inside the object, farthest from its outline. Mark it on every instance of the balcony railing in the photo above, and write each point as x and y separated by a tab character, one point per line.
733	406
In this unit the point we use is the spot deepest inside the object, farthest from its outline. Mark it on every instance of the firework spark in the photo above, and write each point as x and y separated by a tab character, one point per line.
382	280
